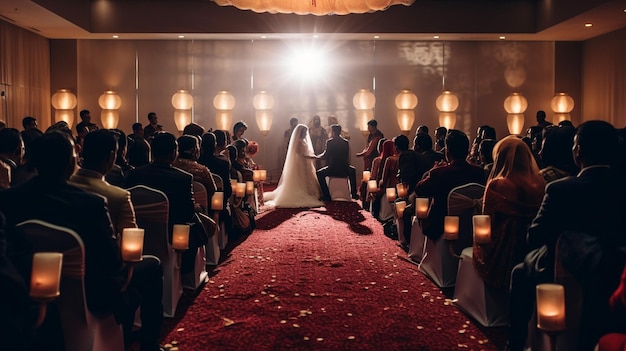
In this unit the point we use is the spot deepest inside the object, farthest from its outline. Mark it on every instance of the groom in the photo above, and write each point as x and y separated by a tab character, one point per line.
337	156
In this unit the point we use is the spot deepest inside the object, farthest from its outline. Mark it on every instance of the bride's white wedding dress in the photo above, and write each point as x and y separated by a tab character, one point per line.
298	185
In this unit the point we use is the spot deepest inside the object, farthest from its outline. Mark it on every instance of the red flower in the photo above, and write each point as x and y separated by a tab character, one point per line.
253	148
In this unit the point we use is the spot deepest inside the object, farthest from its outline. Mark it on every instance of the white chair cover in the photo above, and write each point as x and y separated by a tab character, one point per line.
438	263
152	210
222	235
81	329
213	246
486	305
386	210
417	244
339	188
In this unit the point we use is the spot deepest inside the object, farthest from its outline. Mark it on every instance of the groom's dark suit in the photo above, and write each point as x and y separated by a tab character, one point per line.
337	156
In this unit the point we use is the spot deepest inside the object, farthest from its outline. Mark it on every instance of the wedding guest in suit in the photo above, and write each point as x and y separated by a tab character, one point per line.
541	119
427	157
138	147
193	129
117	174
485	150
216	165
408	162
177	186
11	154
556	151
152	127
440	136
85	122
512	198
337	156
99	154
52	199
438	182
591	203
30	132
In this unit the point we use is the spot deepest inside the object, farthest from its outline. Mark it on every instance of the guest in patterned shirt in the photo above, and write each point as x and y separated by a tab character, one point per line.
188	153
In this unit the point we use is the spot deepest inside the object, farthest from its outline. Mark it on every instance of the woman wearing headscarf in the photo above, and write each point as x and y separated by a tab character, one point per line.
512	198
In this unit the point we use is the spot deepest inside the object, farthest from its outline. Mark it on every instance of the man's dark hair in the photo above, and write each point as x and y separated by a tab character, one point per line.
336	128
208	143
489	132
97	147
422	129
186	145
441	131
598	142
163	144
373	123
83	113
150	115
137	126
28	120
51	153
401	142
541	115
10	140
293	120
485	149
220	138
457	144
193	129
423	141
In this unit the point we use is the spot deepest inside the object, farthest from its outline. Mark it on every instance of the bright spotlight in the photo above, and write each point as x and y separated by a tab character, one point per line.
308	64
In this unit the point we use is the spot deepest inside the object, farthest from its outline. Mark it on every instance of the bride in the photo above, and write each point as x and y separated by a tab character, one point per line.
298	185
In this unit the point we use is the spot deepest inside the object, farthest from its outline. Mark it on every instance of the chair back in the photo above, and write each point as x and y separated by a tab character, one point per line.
465	201
200	195
72	304
219	183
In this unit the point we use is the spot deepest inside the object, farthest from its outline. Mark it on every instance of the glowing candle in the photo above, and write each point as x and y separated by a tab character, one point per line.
233	183
217	201
180	237
482	229
240	189
263	174
46	275
421	207
551	307
256	175
366	176
391	194
402	190
400	206
249	187
451	227
132	244
372	187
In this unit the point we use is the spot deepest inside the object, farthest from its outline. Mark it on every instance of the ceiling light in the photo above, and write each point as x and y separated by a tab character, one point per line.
502	37
263	36
318	8
315	36
435	37
181	36
377	37
588	24
115	36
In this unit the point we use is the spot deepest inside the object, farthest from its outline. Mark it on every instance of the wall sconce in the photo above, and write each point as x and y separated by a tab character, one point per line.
183	103
406	102
263	103
364	102
515	105
64	102
561	104
224	102
447	103
110	103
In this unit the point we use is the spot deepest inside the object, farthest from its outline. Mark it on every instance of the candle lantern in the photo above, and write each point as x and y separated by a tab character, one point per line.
402	190
400	206
482	229
46	275
451	227
366	176
249	187
180	237
233	184
372	187
421	207
256	175
391	194
217	201
240	189
263	174
551	307
132	244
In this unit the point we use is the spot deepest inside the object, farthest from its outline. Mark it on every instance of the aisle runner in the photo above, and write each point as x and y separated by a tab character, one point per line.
322	279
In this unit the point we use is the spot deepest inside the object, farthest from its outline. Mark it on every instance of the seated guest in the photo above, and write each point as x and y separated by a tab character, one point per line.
99	153
121	167
602	221
440	136
408	162
193	129
485	150
386	151
138	147
52	199
214	163
438	182
30	132
556	153
423	146
375	174
177	186
188	152
11	154
239	162
512	197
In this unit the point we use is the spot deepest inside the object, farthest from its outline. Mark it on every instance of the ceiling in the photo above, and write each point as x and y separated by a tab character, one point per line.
534	20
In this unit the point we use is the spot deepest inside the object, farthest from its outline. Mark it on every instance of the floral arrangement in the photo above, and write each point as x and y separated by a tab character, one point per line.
253	148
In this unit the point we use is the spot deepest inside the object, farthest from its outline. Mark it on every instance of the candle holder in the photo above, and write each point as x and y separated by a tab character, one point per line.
180	241
551	311
451	233
402	190
45	280
421	207
391	194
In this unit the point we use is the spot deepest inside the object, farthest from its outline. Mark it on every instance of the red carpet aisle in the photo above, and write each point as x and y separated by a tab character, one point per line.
322	279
